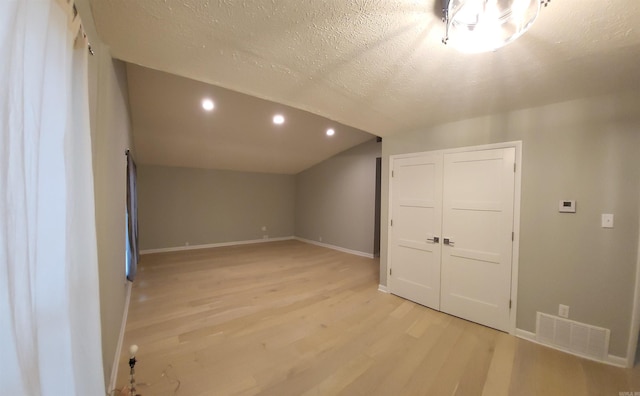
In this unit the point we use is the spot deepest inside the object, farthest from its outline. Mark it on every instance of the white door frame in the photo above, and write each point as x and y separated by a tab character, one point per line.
634	328
515	254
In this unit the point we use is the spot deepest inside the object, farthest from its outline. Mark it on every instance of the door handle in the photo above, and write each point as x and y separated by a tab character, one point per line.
448	241
435	239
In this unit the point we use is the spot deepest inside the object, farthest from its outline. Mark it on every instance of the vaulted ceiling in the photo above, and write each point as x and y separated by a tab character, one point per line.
374	65
171	128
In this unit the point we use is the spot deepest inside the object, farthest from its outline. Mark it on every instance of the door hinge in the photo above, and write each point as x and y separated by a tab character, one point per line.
391	222
513	236
390	271
509	304
514	167
392	173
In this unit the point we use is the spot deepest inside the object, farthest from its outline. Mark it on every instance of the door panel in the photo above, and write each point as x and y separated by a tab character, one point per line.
478	194
416	212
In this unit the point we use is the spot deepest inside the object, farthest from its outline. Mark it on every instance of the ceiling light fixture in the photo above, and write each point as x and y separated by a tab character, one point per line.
207	104
330	132
486	25
278	119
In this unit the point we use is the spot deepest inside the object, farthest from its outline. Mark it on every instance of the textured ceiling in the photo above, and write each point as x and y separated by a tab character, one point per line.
376	65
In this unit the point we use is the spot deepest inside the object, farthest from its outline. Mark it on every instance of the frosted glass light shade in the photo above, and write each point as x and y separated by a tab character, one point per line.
486	25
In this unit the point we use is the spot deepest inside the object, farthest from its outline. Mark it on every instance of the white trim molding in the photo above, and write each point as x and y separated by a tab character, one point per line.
610	359
123	326
515	250
634	327
334	247
616	361
383	288
526	335
214	245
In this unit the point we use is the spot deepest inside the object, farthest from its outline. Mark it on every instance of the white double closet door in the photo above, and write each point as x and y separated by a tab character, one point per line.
451	232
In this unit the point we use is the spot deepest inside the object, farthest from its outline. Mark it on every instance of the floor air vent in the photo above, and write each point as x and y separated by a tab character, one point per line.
579	338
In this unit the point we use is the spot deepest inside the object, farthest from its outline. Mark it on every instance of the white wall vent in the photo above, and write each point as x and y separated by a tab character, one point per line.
578	338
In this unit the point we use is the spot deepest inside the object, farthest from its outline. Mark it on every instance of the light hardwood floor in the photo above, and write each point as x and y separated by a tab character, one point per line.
289	318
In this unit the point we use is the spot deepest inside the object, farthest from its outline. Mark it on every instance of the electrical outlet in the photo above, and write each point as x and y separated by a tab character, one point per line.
264	228
320	239
186	244
563	311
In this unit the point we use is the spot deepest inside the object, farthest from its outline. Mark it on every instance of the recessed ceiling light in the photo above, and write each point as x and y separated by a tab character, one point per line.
278	119
207	104
330	132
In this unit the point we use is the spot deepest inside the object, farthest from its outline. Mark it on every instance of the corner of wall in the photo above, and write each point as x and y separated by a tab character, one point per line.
110	135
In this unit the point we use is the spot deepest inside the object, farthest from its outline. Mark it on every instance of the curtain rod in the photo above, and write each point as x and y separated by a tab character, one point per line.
81	32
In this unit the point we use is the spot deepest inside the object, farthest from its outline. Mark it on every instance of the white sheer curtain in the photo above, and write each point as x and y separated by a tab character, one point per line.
50	342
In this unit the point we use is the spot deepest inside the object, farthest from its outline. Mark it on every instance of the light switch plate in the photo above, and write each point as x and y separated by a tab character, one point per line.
607	220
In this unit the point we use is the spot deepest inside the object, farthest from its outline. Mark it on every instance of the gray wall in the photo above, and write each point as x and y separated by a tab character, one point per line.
198	206
587	150
335	199
111	136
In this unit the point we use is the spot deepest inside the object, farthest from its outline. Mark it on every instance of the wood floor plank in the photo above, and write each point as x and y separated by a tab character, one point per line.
289	318
458	358
501	366
342	377
403	369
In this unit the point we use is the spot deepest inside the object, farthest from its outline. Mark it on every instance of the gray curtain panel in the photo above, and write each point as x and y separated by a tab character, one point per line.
132	218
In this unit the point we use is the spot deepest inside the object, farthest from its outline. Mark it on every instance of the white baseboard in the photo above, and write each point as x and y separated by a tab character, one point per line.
123	325
383	288
234	243
526	335
338	248
213	245
617	361
610	359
